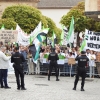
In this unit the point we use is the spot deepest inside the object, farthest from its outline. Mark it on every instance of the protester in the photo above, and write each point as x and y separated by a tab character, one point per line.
4	65
24	53
92	63
71	55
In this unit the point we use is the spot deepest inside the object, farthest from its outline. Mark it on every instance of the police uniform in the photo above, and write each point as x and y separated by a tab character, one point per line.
53	57
17	58
81	70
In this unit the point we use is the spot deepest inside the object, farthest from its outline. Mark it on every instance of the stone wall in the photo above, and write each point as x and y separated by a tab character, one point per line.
98	5
91	5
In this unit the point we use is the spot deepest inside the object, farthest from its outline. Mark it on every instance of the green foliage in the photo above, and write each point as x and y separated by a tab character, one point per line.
82	22
80	6
8	23
58	32
51	25
27	17
44	22
80	19
97	26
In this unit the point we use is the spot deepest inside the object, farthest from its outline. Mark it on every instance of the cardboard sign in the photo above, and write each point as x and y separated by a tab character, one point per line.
71	61
8	36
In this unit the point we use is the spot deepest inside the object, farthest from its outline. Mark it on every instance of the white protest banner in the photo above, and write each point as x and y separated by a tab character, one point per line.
8	36
65	31
22	38
92	40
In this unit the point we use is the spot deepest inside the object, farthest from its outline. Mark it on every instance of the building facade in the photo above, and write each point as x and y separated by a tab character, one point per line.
92	8
6	3
55	9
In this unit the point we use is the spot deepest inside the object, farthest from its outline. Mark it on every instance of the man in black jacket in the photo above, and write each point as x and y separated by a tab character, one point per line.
17	58
82	63
53	57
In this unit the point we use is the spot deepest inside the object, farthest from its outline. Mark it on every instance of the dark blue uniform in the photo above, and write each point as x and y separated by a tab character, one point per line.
81	70
17	59
53	57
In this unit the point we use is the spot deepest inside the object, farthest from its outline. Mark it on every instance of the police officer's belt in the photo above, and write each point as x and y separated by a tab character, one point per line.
53	61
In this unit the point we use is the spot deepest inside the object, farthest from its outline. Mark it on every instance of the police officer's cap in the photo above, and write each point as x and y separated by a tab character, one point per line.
83	52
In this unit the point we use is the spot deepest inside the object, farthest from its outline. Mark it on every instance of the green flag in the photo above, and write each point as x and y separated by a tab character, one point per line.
31	40
39	39
37	54
43	37
83	45
43	27
70	36
2	28
12	28
53	39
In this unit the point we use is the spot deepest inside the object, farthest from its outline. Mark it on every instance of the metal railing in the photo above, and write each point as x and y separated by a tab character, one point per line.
70	70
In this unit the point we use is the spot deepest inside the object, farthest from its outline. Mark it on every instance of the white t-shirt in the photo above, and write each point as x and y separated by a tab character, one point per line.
92	58
66	58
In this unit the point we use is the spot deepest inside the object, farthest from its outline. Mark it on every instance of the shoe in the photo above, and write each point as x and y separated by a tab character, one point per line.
57	79
74	88
2	86
23	88
18	88
7	87
82	90
48	78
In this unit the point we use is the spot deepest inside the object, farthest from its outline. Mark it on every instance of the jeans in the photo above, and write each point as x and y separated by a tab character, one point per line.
3	77
25	66
91	71
71	69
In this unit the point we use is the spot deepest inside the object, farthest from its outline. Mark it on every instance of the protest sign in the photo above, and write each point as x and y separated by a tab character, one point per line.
71	61
92	40
8	36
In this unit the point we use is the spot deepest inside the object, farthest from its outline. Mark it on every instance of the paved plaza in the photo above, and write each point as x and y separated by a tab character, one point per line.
39	88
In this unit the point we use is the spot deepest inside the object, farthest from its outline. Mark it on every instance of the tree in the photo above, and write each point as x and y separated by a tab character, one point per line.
81	21
8	23
27	17
51	24
97	26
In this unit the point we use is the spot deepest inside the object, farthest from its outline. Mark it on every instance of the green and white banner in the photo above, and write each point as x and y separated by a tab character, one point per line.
91	41
70	36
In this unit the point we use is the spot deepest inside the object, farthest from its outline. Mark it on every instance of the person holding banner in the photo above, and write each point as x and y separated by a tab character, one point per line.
53	57
82	63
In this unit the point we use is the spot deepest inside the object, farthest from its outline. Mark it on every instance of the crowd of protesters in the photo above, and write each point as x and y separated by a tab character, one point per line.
34	68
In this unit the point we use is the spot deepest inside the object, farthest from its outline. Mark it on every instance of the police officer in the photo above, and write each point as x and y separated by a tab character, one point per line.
17	58
82	63
53	57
